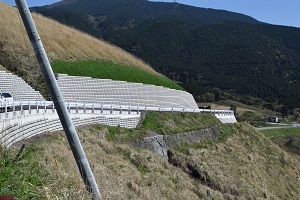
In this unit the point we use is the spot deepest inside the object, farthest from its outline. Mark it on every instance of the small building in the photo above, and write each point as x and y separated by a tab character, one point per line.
273	119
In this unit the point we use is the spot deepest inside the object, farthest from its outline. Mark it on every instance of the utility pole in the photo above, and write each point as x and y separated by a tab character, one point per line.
65	119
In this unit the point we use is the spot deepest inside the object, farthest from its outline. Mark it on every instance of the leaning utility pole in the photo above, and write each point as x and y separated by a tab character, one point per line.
68	126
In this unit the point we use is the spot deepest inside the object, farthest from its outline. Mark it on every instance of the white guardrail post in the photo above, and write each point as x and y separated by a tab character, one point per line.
45	107
5	107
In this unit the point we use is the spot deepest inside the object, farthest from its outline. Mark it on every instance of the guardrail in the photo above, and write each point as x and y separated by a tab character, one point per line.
23	119
46	105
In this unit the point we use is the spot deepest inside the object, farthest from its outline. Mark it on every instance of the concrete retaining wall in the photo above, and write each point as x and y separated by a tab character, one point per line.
161	143
19	125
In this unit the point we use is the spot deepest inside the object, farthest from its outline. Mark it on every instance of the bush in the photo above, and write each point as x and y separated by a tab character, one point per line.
253	118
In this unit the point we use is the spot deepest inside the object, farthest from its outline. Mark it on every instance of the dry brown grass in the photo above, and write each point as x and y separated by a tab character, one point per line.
122	172
61	43
246	166
3	69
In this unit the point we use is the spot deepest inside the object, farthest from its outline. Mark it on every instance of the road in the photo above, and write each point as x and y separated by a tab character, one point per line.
274	127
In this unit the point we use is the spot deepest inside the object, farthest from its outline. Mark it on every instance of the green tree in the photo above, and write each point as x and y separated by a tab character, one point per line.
284	111
233	107
217	95
269	106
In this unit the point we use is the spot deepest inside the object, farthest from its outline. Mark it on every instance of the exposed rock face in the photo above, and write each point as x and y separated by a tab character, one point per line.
161	143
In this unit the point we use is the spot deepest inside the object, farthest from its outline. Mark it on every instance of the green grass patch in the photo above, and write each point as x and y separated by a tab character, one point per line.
110	70
226	131
171	123
143	169
163	123
254	118
281	132
122	134
21	176
277	125
185	148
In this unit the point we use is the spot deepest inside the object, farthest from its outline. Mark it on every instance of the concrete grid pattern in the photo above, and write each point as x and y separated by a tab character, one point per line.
106	91
16	125
19	89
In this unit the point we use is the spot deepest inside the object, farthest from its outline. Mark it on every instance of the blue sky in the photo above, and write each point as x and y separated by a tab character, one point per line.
281	12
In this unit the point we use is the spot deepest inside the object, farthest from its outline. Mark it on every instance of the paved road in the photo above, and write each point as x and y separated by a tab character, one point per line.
274	127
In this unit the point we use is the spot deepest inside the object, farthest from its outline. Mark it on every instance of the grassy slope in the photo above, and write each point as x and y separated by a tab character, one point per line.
110	70
287	138
241	107
246	165
61	43
171	123
2	68
281	132
163	124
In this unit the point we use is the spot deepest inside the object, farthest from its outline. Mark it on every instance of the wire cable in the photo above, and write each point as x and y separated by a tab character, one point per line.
218	38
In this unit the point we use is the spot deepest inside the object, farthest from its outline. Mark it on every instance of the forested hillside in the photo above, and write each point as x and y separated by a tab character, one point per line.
249	59
213	50
100	16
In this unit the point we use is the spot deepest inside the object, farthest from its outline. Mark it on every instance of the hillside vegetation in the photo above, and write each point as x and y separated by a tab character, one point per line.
287	138
61	43
244	165
100	16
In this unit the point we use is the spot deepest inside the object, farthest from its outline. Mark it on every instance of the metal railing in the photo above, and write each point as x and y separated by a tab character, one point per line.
49	105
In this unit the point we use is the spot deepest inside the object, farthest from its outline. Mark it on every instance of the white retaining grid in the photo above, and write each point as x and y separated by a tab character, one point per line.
19	89
21	120
17	123
25	119
106	91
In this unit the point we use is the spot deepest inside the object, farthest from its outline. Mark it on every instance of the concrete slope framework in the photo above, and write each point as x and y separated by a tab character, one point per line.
23	124
19	89
26	119
91	101
105	91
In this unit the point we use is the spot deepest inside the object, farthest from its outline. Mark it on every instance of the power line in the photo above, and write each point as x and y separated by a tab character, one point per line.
218	38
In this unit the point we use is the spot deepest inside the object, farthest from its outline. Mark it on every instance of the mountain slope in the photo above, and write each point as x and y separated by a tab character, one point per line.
221	49
250	59
99	16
